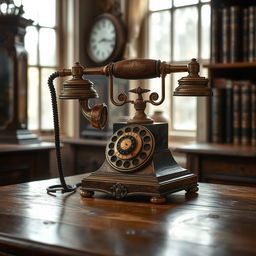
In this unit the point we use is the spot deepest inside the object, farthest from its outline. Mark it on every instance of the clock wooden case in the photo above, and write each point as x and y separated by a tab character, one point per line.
106	39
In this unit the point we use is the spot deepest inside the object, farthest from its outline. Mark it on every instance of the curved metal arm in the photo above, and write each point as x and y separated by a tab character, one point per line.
154	96
122	97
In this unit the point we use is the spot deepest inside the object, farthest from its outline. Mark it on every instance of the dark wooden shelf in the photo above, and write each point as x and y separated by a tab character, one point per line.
221	163
218	149
234	65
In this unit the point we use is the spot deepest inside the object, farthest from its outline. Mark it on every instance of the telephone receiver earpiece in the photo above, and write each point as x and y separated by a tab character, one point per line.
82	89
97	115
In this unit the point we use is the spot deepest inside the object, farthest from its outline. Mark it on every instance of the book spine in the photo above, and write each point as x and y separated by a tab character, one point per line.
215	36
229	115
245	34
254	34
225	35
253	110
234	33
246	114
252	25
217	114
236	114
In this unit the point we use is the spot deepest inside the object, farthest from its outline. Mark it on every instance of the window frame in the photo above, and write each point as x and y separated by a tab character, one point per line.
200	104
57	28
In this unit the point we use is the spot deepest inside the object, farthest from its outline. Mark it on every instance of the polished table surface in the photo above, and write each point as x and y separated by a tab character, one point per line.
219	220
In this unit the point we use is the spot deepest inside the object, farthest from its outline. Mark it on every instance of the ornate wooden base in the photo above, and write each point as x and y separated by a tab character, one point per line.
154	181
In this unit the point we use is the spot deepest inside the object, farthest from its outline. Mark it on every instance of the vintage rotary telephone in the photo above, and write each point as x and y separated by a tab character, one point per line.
138	161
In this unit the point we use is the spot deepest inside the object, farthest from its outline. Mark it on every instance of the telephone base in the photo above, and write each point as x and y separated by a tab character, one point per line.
122	185
157	177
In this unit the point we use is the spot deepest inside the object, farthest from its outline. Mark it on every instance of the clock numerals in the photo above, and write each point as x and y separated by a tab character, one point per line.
106	40
103	39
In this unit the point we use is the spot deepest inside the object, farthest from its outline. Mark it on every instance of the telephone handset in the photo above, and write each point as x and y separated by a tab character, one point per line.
138	161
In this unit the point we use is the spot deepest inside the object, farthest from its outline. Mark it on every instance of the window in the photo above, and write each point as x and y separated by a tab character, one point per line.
178	30
41	44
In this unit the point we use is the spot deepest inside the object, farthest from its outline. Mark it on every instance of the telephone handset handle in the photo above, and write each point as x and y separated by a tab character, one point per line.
143	69
136	69
133	69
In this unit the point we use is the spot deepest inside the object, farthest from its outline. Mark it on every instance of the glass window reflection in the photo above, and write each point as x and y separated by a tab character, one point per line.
185	33
159	36
47	46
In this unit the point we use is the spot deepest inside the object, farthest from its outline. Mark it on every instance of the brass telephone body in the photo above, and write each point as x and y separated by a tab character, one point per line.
138	161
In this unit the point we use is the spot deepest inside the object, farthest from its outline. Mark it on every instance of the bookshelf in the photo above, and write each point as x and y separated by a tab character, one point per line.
231	141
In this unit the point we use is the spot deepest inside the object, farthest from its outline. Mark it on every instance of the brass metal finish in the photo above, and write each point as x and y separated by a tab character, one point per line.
82	89
138	161
97	116
130	148
126	144
140	106
193	84
77	87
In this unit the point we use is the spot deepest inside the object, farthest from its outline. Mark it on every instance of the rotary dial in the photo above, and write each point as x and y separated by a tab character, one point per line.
130	148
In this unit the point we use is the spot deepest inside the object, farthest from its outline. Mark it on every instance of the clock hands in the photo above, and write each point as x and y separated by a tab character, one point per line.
105	40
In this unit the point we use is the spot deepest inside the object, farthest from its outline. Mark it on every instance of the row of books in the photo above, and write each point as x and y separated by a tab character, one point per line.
233	34
233	109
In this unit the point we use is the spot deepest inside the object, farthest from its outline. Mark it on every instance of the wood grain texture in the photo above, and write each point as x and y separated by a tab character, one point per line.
220	220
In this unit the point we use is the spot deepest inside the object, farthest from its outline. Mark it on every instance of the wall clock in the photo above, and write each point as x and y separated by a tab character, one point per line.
106	40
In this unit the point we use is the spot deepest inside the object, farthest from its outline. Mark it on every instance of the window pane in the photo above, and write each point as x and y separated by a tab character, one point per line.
155	5
205	1
47	46
47	13
205	39
184	2
47	119
31	42
183	109
185	33
33	87
159	35
30	10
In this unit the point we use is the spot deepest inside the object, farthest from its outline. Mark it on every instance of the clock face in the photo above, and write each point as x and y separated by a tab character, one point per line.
102	40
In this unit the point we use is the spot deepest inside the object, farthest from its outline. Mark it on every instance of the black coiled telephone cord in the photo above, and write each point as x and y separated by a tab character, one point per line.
63	187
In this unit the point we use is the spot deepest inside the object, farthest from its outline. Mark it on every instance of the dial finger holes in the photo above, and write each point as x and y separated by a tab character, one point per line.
128	129
113	158
135	161
129	148
127	164
119	133
146	139
111	145
142	133
114	138
136	129
146	147
111	152
119	163
143	155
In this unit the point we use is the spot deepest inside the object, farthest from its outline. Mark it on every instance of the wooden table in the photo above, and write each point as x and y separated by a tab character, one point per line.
220	220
